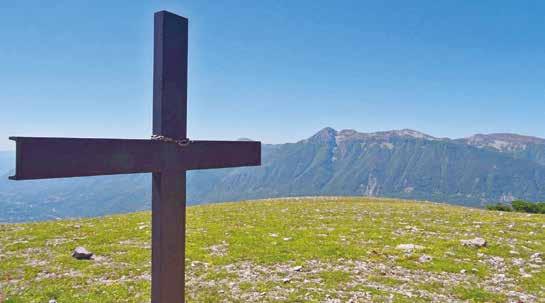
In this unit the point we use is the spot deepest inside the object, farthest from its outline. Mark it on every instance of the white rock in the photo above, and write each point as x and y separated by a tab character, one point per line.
286	280
518	262
411	228
409	247
297	268
536	258
477	242
496	261
424	258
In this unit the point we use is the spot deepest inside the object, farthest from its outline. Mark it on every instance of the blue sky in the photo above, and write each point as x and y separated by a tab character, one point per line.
276	71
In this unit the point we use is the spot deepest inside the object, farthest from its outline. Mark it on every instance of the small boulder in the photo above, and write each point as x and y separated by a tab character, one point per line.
424	259
477	242
517	261
535	256
81	253
297	268
409	247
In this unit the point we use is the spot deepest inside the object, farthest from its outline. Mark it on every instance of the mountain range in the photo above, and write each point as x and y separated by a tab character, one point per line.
404	163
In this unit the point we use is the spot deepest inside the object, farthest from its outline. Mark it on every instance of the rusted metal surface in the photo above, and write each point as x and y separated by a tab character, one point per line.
170	75
168	189
40	158
167	159
168	237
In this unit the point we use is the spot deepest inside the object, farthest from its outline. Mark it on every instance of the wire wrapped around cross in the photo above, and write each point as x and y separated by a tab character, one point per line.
180	142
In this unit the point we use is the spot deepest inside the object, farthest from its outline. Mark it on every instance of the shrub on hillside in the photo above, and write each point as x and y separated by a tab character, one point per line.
499	207
525	207
519	206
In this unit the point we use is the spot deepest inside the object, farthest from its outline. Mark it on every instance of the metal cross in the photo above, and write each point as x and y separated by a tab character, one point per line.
167	156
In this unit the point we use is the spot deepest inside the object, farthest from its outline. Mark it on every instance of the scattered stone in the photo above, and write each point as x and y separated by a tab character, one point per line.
463	271
477	242
286	280
52	301
411	228
286	239
496	262
535	256
81	253
513	252
219	249
297	268
518	262
409	247
273	235
424	258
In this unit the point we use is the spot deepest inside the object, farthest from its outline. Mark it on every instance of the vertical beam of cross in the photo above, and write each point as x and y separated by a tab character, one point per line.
168	188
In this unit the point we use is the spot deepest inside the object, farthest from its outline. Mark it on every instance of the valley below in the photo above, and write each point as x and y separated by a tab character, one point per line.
405	164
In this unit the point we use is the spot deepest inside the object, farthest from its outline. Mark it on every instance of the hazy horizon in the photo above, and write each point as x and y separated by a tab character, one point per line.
372	131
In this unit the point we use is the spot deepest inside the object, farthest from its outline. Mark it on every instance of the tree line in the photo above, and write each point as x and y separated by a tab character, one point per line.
519	206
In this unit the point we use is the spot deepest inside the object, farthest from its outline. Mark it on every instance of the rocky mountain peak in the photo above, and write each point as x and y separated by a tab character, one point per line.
411	133
329	133
507	137
326	134
502	141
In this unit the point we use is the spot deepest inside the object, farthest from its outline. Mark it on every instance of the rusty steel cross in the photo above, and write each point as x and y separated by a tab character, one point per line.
167	158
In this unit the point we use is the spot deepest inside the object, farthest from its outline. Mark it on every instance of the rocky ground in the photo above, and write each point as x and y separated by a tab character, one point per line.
328	249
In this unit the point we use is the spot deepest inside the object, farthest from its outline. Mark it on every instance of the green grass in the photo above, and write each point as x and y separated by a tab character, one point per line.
246	251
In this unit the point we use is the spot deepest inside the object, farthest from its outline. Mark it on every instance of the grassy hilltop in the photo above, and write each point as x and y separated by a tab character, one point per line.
291	250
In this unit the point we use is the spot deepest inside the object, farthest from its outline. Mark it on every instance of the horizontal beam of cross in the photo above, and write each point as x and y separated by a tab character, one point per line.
40	158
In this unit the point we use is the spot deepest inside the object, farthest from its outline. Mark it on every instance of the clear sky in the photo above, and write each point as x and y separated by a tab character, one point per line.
276	71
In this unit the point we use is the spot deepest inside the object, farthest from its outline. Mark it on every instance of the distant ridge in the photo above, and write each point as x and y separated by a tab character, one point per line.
404	163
